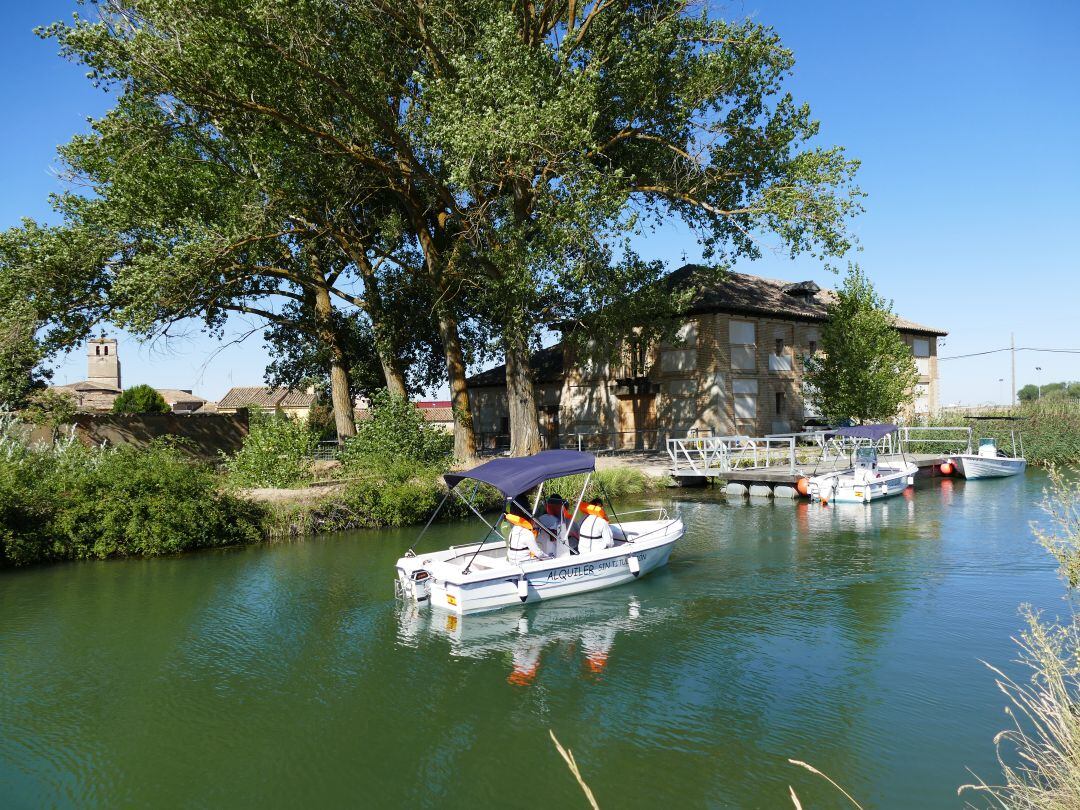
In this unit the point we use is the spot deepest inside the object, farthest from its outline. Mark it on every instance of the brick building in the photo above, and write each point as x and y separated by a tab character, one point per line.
735	367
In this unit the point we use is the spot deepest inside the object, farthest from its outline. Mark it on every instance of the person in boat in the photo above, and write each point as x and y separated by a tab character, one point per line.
522	544
555	523
594	531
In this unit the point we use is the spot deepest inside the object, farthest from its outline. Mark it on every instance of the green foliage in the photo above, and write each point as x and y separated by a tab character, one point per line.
140	399
68	502
1050	391
396	433
20	354
277	452
50	408
1050	430
865	372
613	482
391	494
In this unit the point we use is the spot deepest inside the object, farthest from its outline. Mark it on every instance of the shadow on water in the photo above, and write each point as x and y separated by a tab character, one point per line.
848	636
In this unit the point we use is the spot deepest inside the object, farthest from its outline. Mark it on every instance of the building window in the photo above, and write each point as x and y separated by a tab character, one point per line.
779	346
744	393
920	347
813	347
743	345
106	351
779	403
97	350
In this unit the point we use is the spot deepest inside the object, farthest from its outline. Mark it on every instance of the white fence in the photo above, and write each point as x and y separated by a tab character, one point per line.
713	455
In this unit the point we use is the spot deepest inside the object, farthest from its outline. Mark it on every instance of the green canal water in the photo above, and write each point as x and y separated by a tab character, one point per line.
846	636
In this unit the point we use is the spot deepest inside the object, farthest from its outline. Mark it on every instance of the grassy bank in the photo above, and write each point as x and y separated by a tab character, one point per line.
401	495
1051	431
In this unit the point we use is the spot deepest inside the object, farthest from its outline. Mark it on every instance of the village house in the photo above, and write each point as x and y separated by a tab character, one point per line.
735	367
102	385
283	401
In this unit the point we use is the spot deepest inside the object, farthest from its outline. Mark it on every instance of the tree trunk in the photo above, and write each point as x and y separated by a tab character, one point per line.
340	396
464	436
520	397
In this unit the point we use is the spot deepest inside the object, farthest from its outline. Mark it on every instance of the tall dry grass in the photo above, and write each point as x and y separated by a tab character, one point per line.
1040	754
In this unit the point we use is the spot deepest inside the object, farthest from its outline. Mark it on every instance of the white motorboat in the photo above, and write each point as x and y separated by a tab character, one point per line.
480	576
868	478
990	461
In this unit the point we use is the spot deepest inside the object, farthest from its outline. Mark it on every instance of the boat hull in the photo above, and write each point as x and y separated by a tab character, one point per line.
495	588
984	467
842	487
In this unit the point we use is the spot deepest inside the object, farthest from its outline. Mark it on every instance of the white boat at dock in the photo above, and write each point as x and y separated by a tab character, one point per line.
990	461
480	576
868	478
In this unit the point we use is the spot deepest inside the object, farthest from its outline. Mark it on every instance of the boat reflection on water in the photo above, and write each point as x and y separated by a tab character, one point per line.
593	622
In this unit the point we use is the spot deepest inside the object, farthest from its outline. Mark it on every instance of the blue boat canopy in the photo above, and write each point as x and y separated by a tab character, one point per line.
872	432
512	476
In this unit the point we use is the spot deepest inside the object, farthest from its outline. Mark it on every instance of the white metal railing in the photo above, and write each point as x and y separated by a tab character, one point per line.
949	439
711	455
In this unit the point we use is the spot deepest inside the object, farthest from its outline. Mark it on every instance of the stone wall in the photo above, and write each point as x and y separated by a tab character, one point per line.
204	436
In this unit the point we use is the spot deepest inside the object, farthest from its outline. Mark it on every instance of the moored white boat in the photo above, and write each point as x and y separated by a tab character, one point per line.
976	466
868	478
990	461
479	576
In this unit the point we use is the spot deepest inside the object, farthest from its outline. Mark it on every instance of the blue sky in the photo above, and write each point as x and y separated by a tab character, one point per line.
965	117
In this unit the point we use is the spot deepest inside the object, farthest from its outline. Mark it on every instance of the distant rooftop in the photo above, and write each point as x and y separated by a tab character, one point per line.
742	293
261	396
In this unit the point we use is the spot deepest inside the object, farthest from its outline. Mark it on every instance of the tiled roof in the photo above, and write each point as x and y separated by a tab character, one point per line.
546	365
87	386
174	395
430	414
259	396
741	293
438	414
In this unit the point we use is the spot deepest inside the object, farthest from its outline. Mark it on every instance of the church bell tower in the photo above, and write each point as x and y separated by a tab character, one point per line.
103	364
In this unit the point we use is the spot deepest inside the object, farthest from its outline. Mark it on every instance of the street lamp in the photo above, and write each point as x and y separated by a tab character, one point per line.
1038	371
1001	389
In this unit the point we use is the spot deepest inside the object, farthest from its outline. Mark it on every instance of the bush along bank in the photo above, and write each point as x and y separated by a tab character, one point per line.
69	502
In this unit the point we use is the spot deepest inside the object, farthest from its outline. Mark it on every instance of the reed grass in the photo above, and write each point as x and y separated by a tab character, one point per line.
1040	754
1050	431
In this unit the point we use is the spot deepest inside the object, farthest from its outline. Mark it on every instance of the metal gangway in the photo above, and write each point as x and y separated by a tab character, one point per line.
943	441
711	456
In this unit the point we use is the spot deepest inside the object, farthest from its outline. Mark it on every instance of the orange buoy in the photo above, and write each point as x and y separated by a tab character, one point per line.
802	486
947	468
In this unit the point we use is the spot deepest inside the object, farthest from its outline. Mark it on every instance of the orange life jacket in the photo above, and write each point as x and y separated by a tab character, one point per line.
523	522
595	511
552	510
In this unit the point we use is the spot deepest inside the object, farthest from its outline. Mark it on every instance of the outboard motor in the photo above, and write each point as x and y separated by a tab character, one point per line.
414	585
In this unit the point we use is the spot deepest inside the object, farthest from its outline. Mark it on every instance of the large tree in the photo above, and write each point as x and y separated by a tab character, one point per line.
865	372
54	287
517	145
213	225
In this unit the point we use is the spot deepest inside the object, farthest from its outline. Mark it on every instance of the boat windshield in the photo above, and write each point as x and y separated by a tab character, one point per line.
866	454
987	442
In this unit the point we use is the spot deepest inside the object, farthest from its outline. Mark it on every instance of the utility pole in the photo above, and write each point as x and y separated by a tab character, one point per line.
1012	346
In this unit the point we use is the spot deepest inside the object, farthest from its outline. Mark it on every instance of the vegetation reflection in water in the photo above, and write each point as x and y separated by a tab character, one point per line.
848	637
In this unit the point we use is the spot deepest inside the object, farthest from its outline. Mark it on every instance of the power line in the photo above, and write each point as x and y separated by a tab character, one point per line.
1008	349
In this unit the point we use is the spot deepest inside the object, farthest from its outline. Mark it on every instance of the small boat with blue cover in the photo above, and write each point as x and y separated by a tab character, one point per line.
487	574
